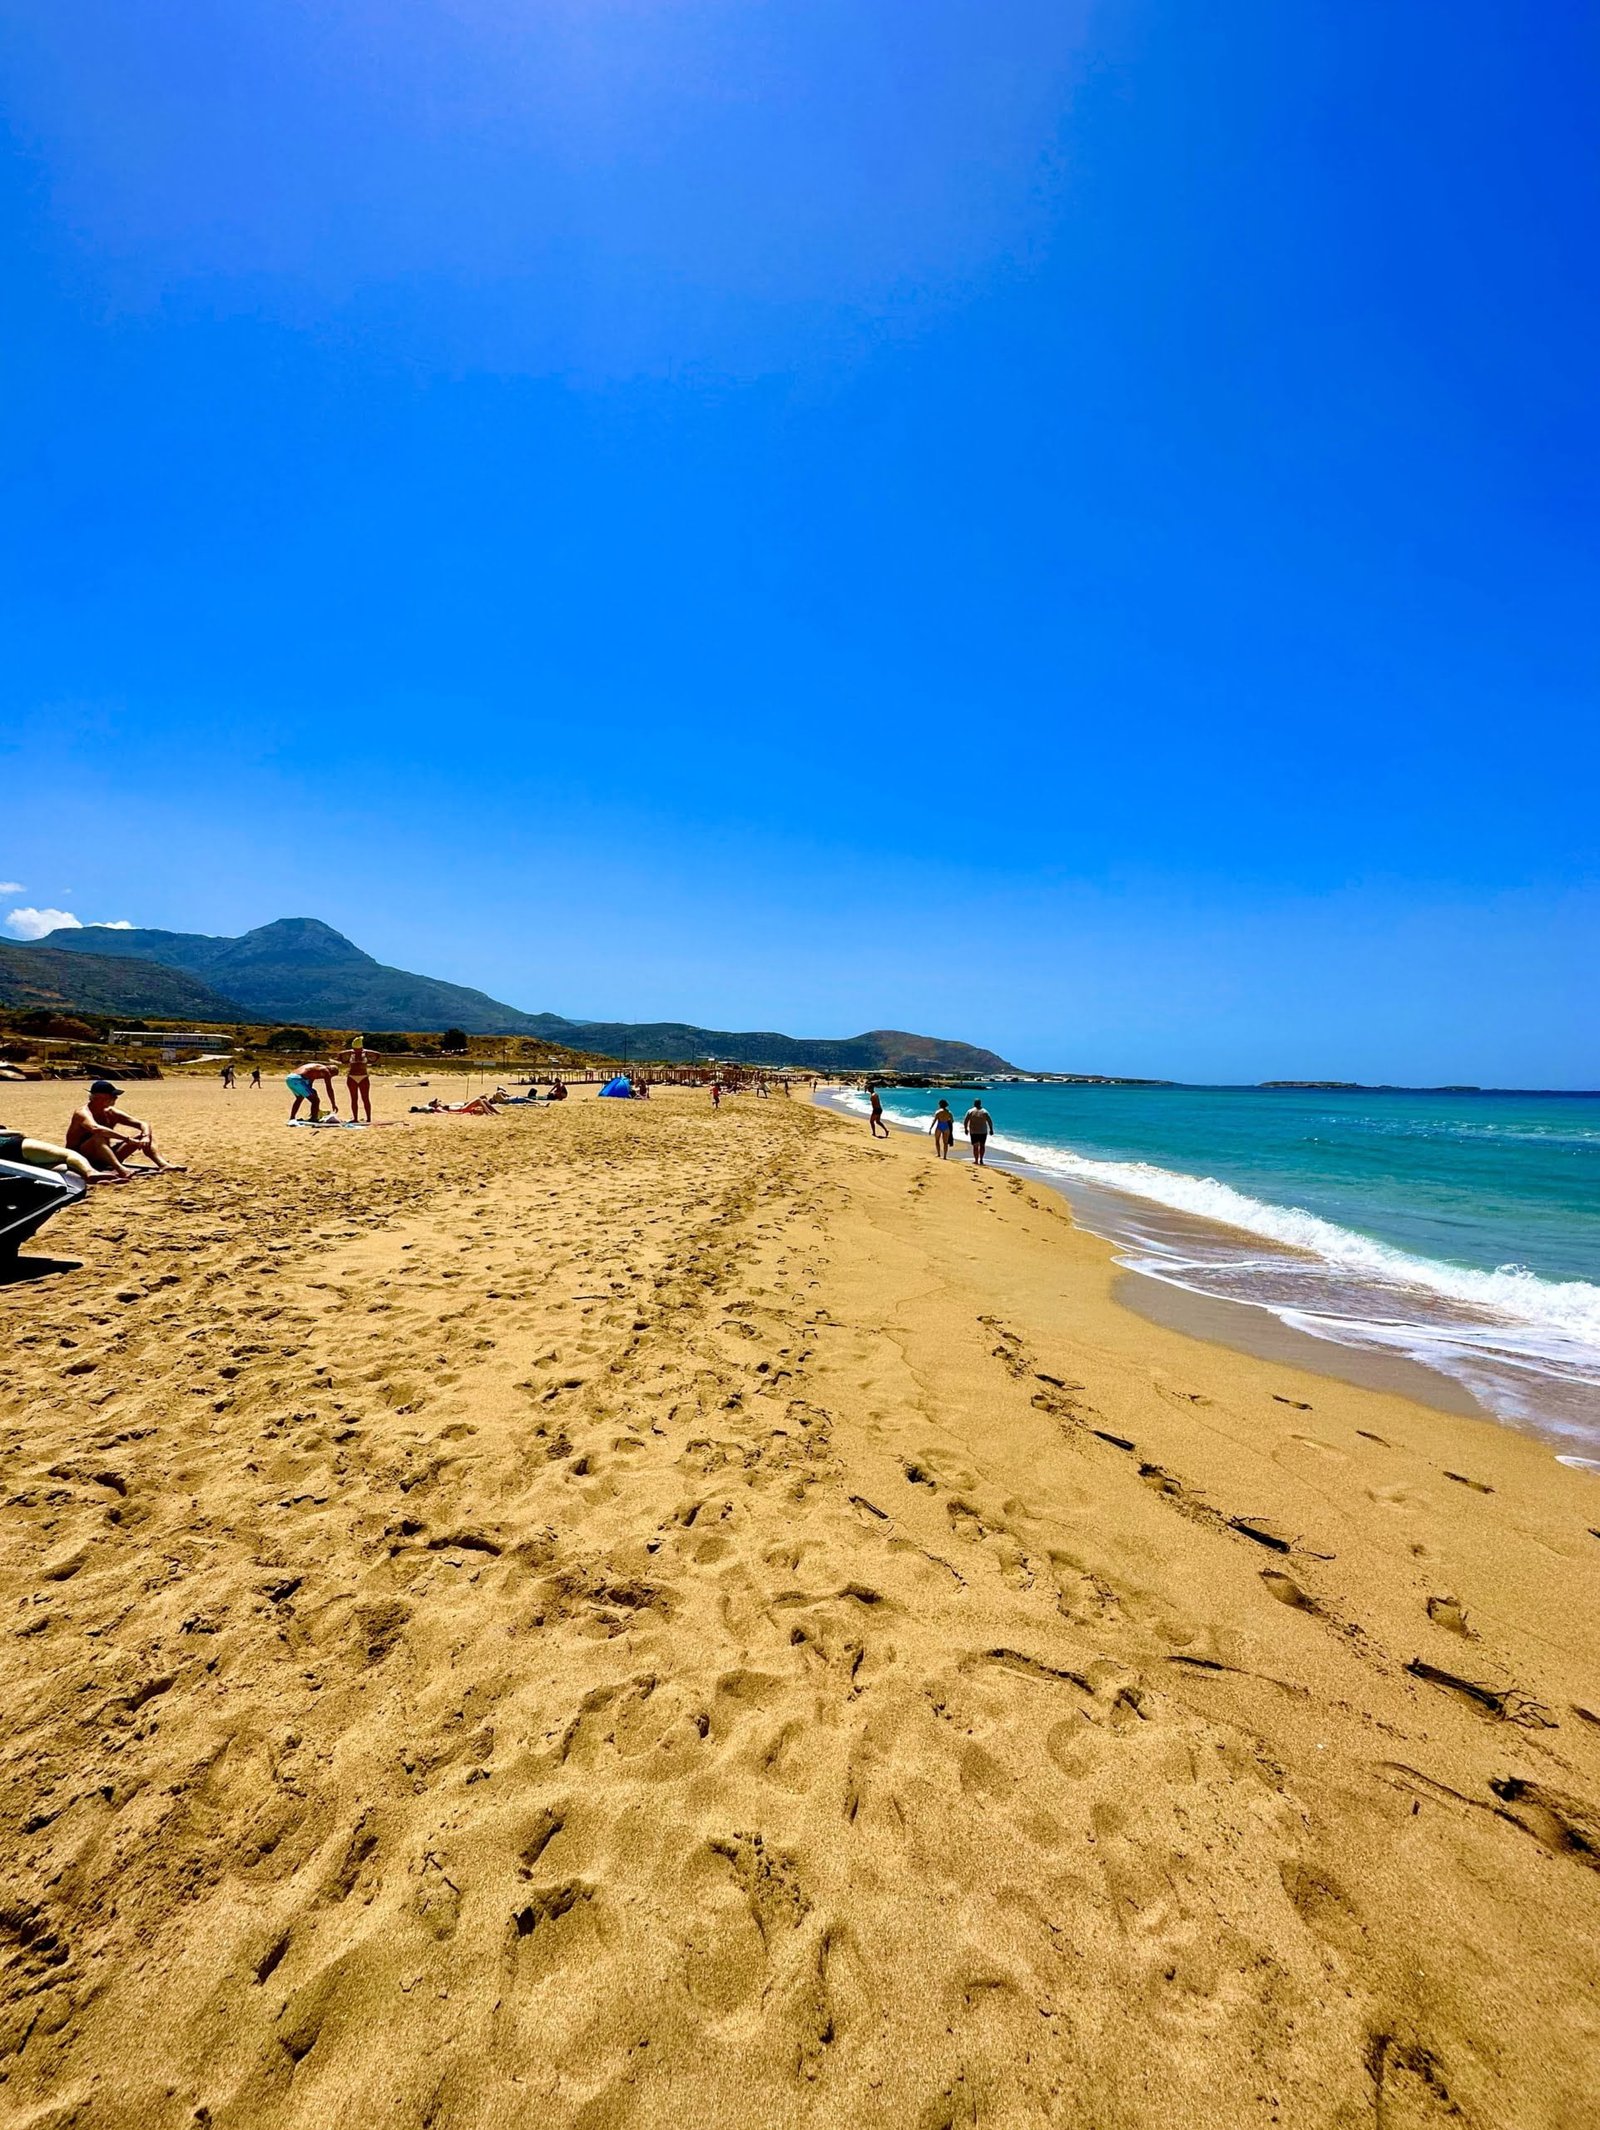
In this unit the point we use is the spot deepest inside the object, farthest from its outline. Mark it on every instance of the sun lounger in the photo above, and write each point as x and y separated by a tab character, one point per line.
29	1196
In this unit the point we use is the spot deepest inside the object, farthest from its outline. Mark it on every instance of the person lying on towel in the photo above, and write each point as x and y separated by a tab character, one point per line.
40	1154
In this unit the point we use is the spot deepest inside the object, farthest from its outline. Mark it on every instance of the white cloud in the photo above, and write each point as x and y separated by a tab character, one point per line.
33	924
11	887
117	924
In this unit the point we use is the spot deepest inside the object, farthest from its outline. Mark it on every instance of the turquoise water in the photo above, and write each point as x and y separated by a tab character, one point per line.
1460	1230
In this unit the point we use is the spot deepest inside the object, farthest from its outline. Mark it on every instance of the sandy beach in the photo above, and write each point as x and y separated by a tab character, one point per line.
626	1615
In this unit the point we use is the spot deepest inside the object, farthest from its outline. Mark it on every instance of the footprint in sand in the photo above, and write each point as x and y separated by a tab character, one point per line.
1397	1497
1287	1591
1409	2085
1445	1612
1323	1449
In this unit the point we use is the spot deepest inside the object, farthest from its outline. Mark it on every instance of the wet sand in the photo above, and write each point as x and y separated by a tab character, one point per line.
625	1615
1257	1331
1247	1327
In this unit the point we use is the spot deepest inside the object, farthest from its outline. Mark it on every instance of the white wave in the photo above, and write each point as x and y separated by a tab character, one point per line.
1568	1310
1526	1347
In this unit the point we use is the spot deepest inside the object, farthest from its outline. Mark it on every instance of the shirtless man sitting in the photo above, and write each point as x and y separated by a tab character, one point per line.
106	1136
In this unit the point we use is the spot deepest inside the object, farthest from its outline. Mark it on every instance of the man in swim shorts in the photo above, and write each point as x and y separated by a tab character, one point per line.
302	1084
978	1124
106	1135
875	1120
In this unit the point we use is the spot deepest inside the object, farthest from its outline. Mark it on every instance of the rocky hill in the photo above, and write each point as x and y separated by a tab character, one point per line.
301	970
106	983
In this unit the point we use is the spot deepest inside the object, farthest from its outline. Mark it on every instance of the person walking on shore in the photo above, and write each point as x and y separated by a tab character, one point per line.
880	1130
943	1129
255	1076
978	1124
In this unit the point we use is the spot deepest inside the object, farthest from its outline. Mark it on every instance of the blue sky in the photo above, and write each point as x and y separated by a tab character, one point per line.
1068	525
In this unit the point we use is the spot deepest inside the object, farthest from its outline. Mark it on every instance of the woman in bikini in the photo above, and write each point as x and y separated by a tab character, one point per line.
357	1079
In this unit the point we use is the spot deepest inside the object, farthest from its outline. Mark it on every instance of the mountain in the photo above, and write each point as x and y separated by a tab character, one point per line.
301	970
106	983
677	1042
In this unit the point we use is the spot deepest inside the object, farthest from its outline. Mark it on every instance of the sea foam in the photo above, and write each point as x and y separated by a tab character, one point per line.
1492	1329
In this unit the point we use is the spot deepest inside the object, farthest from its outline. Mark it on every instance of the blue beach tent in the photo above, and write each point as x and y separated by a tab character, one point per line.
621	1085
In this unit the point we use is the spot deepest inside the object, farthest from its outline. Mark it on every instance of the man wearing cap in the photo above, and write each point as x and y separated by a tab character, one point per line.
106	1135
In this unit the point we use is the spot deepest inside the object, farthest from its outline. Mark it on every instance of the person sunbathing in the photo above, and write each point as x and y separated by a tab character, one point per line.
479	1106
107	1136
40	1154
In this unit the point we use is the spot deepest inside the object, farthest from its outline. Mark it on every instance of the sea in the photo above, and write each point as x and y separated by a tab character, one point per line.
1458	1231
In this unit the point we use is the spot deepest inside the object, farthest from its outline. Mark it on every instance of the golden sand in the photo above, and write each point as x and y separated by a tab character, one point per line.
624	1615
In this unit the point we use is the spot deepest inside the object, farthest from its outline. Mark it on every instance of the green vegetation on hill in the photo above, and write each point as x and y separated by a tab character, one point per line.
301	970
102	983
678	1042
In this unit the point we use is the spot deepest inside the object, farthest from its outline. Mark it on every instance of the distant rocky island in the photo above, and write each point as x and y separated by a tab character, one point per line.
1360	1087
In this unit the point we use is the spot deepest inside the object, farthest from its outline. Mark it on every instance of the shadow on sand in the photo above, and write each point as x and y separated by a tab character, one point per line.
17	1271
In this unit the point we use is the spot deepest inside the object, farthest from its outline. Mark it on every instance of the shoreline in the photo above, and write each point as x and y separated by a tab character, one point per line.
1158	1244
637	1613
